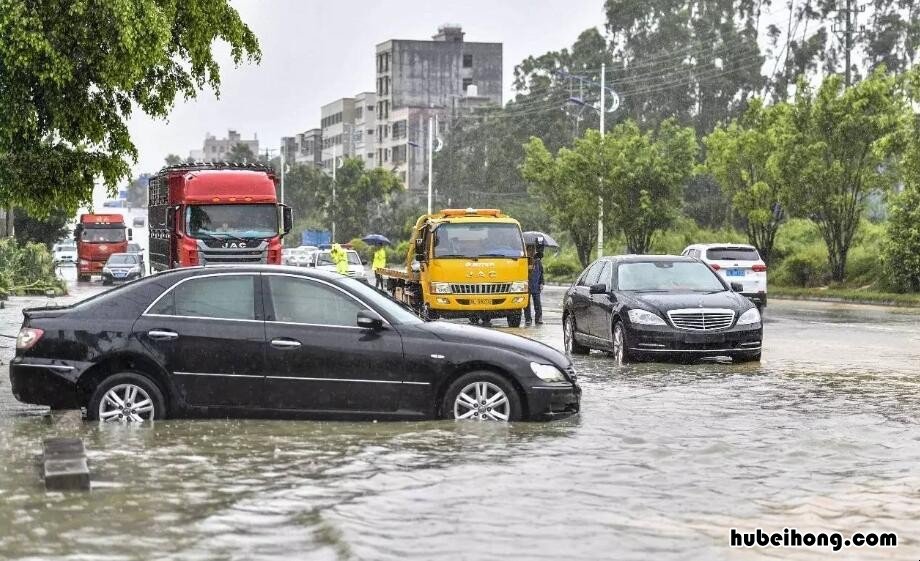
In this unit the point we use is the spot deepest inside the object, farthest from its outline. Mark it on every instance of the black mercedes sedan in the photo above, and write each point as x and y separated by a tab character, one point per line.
641	307
270	341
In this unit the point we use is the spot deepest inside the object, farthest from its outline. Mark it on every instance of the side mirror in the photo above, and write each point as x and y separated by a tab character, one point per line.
130	234
287	216
170	218
737	287
599	288
369	320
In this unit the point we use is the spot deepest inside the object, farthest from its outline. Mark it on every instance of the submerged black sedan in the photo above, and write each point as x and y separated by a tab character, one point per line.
640	307
272	341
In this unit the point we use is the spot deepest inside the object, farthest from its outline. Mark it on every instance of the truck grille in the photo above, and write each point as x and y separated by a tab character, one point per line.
703	319
481	288
222	256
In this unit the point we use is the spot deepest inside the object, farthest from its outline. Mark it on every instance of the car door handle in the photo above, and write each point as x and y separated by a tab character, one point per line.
161	335
285	343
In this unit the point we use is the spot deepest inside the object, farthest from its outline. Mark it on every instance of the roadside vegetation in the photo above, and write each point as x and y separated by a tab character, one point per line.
27	269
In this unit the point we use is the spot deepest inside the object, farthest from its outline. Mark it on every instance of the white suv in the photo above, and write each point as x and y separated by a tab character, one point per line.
736	263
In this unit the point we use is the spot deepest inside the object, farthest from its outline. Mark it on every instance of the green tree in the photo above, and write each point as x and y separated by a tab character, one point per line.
839	149
304	186
240	152
569	198
45	230
742	156
173	160
644	179
358	191
72	74
901	252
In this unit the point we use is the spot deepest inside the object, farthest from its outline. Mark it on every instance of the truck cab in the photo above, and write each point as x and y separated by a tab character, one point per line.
97	237
465	263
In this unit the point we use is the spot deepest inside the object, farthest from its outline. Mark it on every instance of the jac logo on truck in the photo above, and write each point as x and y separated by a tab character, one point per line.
234	245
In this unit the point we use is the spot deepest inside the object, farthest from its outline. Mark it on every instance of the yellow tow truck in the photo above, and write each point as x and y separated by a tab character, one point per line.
464	263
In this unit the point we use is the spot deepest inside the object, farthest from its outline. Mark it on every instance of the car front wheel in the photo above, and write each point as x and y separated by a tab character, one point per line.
126	397
620	350
482	396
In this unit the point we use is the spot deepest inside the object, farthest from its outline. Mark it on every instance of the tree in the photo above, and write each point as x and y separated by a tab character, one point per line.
839	149
46	230
240	152
566	198
173	160
742	156
74	73
643	180
901	252
304	186
357	192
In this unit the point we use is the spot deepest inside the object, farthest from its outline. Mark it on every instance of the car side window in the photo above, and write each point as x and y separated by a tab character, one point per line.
298	300
606	275
592	274
220	297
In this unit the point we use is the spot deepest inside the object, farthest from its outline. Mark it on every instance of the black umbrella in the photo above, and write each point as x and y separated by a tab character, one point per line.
375	239
536	238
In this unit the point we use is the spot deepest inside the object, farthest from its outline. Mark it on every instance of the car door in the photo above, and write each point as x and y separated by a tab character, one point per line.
318	358
601	305
207	331
579	303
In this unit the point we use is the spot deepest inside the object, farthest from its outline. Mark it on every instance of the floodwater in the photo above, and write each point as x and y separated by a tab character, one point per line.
664	460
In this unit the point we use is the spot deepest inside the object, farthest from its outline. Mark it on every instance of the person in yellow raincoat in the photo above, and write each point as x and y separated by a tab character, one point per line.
380	262
340	258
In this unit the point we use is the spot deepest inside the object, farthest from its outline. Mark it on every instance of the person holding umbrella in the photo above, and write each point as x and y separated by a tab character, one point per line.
380	256
535	284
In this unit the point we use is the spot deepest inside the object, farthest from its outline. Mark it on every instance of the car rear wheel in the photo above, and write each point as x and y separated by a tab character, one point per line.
482	396
126	397
568	332
620	350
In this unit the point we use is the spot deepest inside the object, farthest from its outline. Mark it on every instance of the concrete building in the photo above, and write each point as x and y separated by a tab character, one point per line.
364	137
421	79
303	148
217	149
348	129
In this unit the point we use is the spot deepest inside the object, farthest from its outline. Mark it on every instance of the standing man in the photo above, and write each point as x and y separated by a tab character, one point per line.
535	286
380	261
339	258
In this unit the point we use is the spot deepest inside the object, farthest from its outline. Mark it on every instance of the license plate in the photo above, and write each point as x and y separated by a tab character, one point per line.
734	272
481	301
704	338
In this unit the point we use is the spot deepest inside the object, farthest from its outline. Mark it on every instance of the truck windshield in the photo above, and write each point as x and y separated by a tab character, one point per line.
478	240
103	235
243	221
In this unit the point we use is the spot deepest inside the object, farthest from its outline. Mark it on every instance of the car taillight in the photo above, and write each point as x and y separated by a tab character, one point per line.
714	266
759	268
27	338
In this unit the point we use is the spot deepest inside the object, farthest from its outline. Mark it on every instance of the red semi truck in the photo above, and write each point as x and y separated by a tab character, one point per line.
98	236
211	214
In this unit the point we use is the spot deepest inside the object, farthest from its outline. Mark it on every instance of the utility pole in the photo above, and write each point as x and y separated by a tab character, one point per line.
430	137
600	198
334	166
282	174
848	44
849	23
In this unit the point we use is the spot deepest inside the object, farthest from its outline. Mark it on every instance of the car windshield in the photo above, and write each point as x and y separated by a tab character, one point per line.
381	301
666	276
354	258
242	221
478	240
122	259
103	235
733	254
324	258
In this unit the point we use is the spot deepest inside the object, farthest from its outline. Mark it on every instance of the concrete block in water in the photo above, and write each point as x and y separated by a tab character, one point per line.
64	464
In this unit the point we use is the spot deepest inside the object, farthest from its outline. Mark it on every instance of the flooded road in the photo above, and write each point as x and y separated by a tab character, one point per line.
665	459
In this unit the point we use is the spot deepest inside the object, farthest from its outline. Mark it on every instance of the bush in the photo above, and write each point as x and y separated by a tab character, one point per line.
560	268
364	250
808	267
901	250
27	269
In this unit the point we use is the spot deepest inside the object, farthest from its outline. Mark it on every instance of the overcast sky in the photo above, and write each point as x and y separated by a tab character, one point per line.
315	52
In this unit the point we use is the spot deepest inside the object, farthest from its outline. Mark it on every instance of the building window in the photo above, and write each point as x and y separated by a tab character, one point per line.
467	82
370	132
370	108
467	61
370	155
359	113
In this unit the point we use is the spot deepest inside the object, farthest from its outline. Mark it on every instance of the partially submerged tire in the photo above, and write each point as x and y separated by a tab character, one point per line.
568	332
482	396
126	397
620	348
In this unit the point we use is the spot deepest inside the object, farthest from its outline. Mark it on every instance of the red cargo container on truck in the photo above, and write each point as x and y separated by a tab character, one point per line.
212	214
97	237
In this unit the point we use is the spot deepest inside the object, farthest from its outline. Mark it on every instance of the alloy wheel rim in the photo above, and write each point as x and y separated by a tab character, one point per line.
569	333
618	344
126	403
482	401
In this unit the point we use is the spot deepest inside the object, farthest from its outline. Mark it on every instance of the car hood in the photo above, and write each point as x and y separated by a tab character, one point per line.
492	339
663	301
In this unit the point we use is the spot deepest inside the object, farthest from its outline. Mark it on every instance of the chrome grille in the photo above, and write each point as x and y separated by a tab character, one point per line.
220	256
481	288
702	319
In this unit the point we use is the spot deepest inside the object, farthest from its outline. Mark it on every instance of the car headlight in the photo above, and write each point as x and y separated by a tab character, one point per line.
136	269
643	317
749	317
547	372
519	286
106	270
440	288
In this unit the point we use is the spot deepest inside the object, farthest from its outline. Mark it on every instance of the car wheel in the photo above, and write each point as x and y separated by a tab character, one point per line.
126	397
482	396
568	332
514	320
106	282
620	350
474	320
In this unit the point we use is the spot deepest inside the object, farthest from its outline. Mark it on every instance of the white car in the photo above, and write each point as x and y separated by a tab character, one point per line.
297	256
736	263
323	260
64	252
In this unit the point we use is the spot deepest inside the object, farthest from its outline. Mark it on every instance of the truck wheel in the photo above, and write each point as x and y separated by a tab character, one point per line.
474	320
514	320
